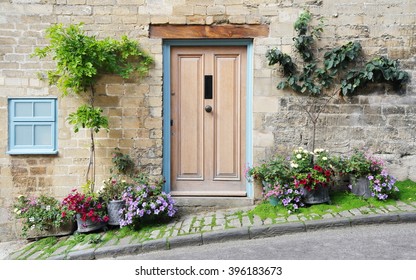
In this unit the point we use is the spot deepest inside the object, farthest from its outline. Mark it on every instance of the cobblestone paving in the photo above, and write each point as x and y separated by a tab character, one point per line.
188	226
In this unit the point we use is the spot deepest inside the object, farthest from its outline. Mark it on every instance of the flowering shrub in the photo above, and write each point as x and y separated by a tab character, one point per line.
382	185
311	170
289	195
39	213
146	203
88	206
113	188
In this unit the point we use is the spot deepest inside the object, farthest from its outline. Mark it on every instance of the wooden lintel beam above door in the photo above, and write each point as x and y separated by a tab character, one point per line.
168	31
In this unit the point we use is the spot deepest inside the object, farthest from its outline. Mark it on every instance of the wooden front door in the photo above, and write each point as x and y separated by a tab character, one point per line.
208	89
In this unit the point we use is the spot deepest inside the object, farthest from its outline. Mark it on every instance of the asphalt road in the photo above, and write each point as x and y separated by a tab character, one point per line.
376	242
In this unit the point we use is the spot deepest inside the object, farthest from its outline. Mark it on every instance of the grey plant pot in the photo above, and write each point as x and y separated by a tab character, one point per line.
113	209
360	186
317	196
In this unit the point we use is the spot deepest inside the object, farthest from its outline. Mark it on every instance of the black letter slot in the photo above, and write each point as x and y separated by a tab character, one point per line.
208	86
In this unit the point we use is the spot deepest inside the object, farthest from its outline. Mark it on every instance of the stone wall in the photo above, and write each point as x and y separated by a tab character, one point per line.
381	118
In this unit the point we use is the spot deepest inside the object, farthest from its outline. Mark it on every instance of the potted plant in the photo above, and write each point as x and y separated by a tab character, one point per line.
112	192
359	166
312	173
288	195
145	204
41	217
341	178
88	208
270	174
382	186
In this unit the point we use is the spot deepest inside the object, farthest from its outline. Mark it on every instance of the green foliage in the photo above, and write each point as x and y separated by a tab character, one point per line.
38	213
312	79
358	164
123	164
306	36
275	170
378	70
81	58
88	116
276	56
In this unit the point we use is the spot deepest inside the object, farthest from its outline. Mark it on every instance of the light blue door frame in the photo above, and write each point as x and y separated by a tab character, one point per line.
167	44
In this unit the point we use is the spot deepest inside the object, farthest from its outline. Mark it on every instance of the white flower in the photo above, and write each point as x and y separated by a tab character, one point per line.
317	151
299	156
48	207
31	219
294	165
324	158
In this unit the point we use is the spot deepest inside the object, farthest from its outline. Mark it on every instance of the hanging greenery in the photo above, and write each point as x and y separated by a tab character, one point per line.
81	60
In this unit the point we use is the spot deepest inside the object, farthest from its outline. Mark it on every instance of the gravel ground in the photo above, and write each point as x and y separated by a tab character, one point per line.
7	248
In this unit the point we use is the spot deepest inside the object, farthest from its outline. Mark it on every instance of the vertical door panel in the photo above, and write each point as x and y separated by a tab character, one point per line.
188	121
227	119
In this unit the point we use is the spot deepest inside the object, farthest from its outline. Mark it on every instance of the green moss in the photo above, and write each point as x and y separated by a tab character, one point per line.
340	201
407	190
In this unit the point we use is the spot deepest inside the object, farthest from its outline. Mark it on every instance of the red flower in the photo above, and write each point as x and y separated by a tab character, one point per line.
318	168
90	213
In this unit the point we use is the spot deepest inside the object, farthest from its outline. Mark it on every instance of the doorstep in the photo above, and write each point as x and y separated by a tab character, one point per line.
205	203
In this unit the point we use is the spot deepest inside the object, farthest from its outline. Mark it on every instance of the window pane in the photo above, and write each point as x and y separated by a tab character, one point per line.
42	109
23	135
43	135
23	109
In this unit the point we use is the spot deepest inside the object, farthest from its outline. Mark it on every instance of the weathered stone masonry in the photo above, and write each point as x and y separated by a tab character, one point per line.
382	118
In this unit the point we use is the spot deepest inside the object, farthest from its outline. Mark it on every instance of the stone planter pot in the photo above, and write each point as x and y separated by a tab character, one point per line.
114	215
360	186
88	225
65	229
317	196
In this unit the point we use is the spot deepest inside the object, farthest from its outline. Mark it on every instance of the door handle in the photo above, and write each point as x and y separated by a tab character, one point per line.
208	109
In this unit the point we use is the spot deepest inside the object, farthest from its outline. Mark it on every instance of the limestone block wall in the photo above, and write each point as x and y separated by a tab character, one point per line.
380	117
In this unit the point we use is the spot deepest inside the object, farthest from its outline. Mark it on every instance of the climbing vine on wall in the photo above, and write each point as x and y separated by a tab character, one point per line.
340	73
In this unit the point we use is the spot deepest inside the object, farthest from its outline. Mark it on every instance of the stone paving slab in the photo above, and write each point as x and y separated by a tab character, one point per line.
221	226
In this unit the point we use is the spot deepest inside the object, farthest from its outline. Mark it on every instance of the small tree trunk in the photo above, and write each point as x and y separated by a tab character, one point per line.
91	163
90	176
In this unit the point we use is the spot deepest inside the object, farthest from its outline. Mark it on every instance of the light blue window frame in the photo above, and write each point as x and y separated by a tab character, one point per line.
167	44
32	126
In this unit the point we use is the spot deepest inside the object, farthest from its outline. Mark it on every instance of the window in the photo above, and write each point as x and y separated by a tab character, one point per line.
32	126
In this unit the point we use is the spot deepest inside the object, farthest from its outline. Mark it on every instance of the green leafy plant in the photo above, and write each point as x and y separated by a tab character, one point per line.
316	80
113	188
358	164
275	170
88	117
123	163
38	213
378	70
81	60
